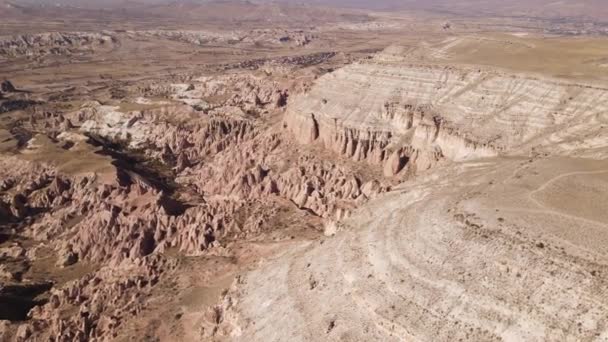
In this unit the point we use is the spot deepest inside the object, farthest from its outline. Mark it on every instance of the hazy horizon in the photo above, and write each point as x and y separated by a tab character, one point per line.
597	9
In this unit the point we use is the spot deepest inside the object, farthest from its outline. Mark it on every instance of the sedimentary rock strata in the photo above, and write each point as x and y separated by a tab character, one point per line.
470	249
423	113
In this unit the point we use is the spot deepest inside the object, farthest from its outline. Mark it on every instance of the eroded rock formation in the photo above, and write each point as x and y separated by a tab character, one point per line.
56	43
112	196
424	113
113	191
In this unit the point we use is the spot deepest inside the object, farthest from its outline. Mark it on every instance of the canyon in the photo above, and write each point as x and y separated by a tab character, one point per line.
378	176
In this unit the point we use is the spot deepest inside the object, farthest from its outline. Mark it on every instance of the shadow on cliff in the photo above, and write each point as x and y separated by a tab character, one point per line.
134	167
17	300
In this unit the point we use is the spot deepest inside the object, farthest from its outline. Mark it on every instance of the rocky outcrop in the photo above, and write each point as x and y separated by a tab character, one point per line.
216	95
377	147
239	38
205	180
55	43
101	302
431	112
231	164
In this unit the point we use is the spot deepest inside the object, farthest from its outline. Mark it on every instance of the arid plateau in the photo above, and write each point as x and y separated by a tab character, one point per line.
278	171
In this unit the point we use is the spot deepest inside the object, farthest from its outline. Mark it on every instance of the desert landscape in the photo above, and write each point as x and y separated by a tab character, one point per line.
285	171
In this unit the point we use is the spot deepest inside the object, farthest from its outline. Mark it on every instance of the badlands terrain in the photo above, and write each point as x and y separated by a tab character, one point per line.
249	171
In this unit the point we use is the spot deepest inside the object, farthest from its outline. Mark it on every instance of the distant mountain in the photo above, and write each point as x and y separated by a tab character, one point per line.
194	11
278	9
597	9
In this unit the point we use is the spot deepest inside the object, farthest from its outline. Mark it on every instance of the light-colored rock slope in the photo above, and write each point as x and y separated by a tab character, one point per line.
469	252
370	109
503	243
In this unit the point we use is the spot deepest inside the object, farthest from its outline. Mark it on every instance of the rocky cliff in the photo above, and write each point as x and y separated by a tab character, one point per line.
499	237
384	110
